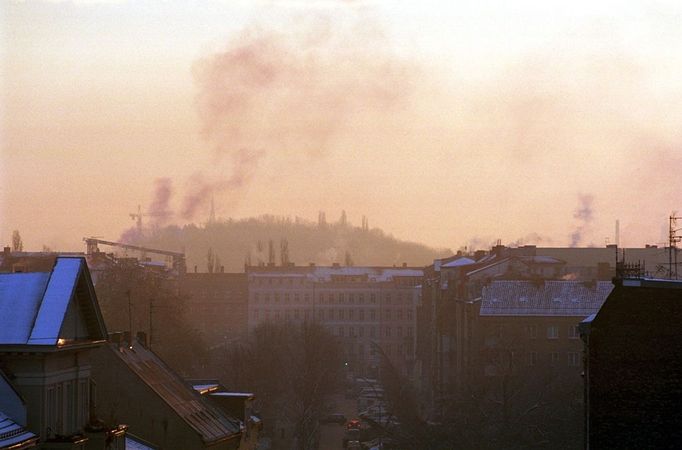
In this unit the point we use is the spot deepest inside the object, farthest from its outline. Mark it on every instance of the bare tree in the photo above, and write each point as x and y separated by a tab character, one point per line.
17	243
293	368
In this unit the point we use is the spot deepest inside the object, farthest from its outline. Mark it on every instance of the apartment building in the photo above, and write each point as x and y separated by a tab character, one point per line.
372	310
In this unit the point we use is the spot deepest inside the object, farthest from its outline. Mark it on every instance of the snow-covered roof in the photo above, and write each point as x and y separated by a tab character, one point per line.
13	435
460	262
551	298
319	273
33	305
135	443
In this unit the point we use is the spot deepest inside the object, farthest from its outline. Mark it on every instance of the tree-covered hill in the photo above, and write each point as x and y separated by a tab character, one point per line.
231	243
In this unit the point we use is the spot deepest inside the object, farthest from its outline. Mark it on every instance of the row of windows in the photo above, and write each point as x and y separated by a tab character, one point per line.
351	331
554	359
336	314
390	349
331	298
553	332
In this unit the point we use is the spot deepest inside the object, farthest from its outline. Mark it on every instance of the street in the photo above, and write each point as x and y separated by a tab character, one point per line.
331	435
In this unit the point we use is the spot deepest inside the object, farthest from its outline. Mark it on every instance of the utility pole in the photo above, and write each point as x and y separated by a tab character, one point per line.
673	239
151	306
130	318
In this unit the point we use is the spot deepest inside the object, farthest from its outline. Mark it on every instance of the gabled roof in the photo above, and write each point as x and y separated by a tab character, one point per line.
551	298
459	262
13	435
209	422
34	305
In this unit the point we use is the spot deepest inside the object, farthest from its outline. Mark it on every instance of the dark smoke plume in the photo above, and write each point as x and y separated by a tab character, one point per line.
159	209
244	164
584	215
291	93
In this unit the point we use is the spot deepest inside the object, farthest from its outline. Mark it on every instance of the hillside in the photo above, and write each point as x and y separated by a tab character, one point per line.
236	241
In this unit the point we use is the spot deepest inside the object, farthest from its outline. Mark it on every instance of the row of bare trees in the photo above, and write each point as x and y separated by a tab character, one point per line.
292	368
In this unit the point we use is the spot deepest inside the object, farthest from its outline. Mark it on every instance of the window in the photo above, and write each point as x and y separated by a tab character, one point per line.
532	331
373	298
306	298
286	298
321	298
256	297
387	314
361	314
573	359
341	314
361	331
400	314
388	331
350	314
553	332
341	297
351	331
573	332
276	297
255	314
296	314
399	331
532	358
373	314
409	314
554	358
277	315
297	298
267	314
350	298
409	331
341	331
267	298
388	298
371	332
361	298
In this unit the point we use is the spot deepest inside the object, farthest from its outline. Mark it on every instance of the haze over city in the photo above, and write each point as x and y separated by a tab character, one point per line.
446	123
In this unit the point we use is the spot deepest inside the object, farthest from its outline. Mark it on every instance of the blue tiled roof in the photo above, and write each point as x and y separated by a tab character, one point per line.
33	305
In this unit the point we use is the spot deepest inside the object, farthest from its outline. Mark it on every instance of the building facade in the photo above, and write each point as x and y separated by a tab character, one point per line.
218	303
372	310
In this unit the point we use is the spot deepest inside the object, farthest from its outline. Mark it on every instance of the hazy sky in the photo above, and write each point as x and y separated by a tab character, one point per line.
449	123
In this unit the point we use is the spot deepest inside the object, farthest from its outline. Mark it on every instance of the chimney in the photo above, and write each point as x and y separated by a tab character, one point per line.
336	265
142	338
7	251
195	268
404	264
312	264
222	269
127	339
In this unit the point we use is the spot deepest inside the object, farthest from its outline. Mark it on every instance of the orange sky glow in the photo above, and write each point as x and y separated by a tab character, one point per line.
447	123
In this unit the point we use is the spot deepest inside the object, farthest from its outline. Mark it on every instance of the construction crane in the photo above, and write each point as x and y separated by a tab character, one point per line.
178	258
137	217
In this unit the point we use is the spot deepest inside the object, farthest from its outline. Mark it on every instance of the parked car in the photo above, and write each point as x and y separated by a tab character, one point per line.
334	418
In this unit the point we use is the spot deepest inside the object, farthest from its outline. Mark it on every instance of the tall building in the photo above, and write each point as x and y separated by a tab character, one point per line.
633	366
372	310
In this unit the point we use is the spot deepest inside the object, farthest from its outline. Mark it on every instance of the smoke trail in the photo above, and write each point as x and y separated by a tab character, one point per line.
292	93
159	209
584	215
244	163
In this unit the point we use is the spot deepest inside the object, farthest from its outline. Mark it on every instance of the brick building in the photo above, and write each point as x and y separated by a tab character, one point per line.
364	307
218	303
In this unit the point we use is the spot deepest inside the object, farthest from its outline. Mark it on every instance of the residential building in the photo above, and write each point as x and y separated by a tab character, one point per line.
50	323
134	386
13	432
633	367
372	310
